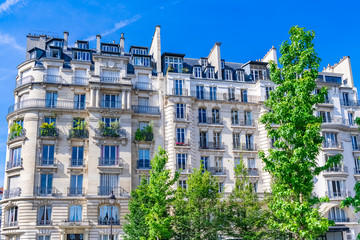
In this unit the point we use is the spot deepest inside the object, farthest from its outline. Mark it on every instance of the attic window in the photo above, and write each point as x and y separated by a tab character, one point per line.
56	44
240	76
33	55
197	72
210	73
83	45
204	62
228	74
107	48
139	51
222	64
55	53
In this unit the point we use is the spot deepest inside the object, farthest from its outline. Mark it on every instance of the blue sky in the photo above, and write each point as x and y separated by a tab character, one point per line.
246	29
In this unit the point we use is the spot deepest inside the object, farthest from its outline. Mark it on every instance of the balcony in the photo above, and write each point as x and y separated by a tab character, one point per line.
112	133
24	80
209	96
47	162
349	103
17	163
211	145
183	168
110	162
78	133
44	222
49	132
104	79
182	143
244	123
244	147
18	134
108	190
143	86
217	170
80	80
145	109
53	79
179	92
111	104
76	191
339	219
77	163
143	164
42	103
253	172
338	195
332	144
45	191
210	120
336	171
12	193
10	224
106	221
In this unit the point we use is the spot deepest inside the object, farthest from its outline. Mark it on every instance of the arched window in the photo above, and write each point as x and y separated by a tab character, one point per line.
75	213
11	217
108	213
337	215
44	217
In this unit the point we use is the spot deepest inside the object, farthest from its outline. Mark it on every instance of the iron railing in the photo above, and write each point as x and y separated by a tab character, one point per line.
183	142
24	80
106	221
210	120
108	190
110	162
48	132
338	195
211	145
110	132
248	122
145	109
78	133
80	80
44	191
143	164
143	86
338	169
217	170
12	192
332	144
15	134
339	219
47	162
44	222
111	104
77	162
76	191
253	172
245	146
351	103
357	170
14	163
179	92
11	224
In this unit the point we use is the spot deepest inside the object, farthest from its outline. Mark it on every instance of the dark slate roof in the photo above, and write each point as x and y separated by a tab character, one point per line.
233	66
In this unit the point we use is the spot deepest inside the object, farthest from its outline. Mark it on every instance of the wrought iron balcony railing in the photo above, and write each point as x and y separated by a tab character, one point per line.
80	80
179	92
47	162
12	193
44	191
106	221
211	145
76	191
245	146
217	170
78	133
14	163
210	120
338	195
108	190
103	161
145	109
143	164
48	132
111	104
77	162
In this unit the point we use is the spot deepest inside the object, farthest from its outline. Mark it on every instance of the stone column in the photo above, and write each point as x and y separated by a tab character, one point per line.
97	98
128	100
123	99
17	98
92	97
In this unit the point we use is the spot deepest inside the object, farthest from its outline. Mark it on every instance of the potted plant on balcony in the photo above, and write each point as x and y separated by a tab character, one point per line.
80	129
16	130
109	131
145	134
48	129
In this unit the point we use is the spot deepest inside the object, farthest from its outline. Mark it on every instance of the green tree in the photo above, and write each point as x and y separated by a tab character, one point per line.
196	208
149	216
293	163
245	216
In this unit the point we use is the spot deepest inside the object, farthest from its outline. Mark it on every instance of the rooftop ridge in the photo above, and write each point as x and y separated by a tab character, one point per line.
336	64
268	53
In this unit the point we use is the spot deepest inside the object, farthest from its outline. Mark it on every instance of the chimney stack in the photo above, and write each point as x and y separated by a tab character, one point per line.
122	42
98	38
66	37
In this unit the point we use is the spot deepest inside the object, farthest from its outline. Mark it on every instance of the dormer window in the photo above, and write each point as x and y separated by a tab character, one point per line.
142	61
197	72
204	62
240	76
54	53
222	64
258	74
82	45
210	73
33	55
56	44
108	48
228	74
81	56
175	63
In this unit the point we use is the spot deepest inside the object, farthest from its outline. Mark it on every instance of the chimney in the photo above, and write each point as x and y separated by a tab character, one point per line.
66	37
98	38
122	42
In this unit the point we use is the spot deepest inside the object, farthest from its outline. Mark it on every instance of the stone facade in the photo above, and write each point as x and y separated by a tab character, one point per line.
106	112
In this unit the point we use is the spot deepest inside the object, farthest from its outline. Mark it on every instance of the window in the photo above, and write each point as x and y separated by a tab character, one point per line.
234	117
357	165
213	95
354	143
79	101
217	139
258	74
82	45
143	125
50	120
244	96
218	164
251	163
45	184
51	99
43	237
248	118
144	159
345	99
75	213
180	135
240	76
202	115
228	74
337	214
108	48
326	117
215	116
110	101
237	161
108	121
221	187
330	140
47	155
249	142
210	73
204	62
182	183
272	142
222	64
231	92
77	156
15	160
180	111
108	183
254	186
200	92
81	56
108	213
109	156
107	237
197	72
236	140
142	61
351	118
11	216
143	101
336	188
44	217
267	92
57	43
205	163
174	62
203	140
54	53
76	184
181	161
178	87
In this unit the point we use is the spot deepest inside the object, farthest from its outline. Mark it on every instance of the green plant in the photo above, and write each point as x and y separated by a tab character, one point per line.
139	136
15	130
185	70
109	131
80	124
145	134
48	129
170	68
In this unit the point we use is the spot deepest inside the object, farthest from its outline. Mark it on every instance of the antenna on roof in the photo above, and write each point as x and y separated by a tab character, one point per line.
44	32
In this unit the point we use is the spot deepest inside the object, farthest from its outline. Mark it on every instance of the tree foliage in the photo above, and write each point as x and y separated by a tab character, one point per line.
196	208
293	163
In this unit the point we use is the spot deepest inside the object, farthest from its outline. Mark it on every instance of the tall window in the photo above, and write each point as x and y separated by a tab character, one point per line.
244	95
180	135
109	155
351	118
79	101
337	214
205	162
218	164
108	183
107	237
197	72
143	125
110	101
234	117
144	159
175	63
267	92
231	92
357	165
108	121
210	73
143	101
249	142
228	74
236	140
202	115
51	99
213	95
345	99
336	188
44	217
47	155
221	187
11	216
15	160
77	156
326	117
76	184
180	111
215	116
240	76
200	92
46	184
82	56
75	213
354	143
181	159
330	140
248	118
50	120
109	212
182	183
203	140
217	139
43	237
178	87
251	163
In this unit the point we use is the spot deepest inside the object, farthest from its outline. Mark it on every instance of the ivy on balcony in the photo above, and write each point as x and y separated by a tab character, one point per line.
145	134
48	130
79	129
16	130
111	131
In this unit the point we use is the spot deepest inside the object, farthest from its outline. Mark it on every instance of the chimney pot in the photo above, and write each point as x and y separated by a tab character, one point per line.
98	38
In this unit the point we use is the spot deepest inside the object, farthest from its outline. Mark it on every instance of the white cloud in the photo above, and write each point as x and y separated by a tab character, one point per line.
6	6
6	39
117	26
